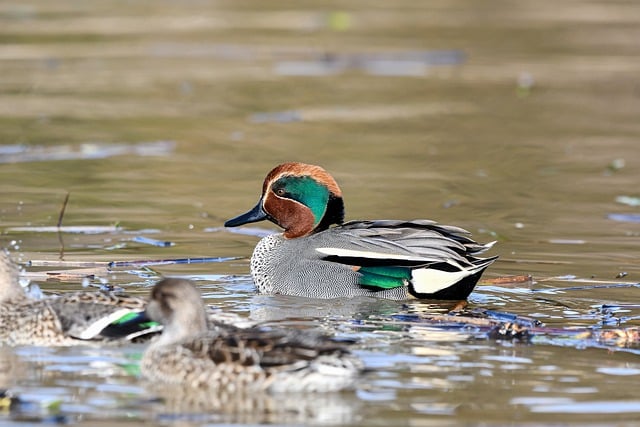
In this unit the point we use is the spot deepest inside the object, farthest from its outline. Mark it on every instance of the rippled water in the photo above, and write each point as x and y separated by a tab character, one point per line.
516	121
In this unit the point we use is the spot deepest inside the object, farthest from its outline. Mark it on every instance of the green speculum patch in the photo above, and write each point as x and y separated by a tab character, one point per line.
384	277
307	191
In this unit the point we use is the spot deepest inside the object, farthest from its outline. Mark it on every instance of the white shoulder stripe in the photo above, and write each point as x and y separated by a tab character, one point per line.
368	254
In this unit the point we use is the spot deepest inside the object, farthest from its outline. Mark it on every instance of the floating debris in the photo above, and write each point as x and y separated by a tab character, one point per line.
361	113
308	68
588	287
436	334
76	229
152	242
68	275
508	280
66	264
624	217
90	150
509	331
339	20
248	231
276	117
567	241
142	263
97	267
616	165
619	337
450	203
628	200
396	68
489	324
401	64
618	306
525	84
505	317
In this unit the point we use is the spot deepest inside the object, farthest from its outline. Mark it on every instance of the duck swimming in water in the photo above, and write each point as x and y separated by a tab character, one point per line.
321	256
200	354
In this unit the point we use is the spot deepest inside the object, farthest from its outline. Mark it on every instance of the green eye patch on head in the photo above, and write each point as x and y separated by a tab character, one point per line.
305	190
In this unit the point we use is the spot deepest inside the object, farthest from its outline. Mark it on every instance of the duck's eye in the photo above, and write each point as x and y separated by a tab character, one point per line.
280	191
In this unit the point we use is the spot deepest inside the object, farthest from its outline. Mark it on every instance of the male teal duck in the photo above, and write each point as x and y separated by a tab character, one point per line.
68	319
385	258
198	354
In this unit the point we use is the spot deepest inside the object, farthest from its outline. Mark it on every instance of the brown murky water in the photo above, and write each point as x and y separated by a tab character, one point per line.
515	120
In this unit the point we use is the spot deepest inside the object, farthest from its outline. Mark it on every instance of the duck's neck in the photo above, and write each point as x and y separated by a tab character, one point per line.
10	289
334	213
183	325
301	222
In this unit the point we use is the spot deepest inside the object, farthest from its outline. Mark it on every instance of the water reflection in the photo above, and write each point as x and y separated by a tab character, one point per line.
413	373
259	408
267	308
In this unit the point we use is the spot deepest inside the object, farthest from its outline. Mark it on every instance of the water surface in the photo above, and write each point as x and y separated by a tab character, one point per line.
516	121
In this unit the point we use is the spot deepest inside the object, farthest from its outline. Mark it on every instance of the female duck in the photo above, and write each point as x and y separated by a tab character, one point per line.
224	358
383	258
72	318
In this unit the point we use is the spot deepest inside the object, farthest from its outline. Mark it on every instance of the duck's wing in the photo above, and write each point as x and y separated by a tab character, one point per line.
264	347
100	315
426	256
263	359
405	243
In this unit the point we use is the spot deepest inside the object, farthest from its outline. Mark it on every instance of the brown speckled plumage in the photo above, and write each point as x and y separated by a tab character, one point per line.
233	359
53	321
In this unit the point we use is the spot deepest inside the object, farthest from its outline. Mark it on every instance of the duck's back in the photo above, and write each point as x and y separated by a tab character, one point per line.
28	322
254	360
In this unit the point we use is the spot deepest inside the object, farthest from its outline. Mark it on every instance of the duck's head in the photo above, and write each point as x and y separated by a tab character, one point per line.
302	199
178	306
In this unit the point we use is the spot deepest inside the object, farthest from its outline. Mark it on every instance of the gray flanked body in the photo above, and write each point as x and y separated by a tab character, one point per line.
295	267
69	319
288	266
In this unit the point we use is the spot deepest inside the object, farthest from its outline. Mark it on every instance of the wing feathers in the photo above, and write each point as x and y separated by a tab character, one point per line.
99	324
438	256
350	253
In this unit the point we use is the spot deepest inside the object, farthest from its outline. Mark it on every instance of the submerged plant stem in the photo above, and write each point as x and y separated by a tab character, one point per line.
60	217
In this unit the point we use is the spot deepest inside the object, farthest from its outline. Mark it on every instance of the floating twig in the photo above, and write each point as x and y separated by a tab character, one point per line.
501	316
68	275
508	280
618	306
66	264
142	263
80	229
116	264
588	287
